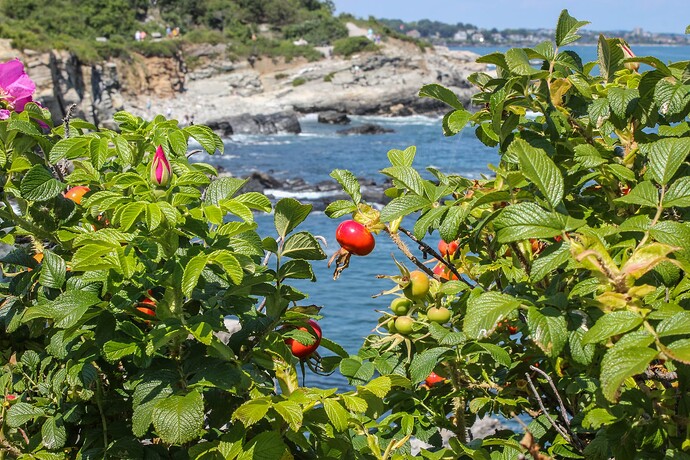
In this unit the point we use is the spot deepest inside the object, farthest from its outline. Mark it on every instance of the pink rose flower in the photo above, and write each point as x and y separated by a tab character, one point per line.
160	168
16	88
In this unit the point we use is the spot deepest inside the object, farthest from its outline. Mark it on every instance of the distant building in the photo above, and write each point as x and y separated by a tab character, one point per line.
497	37
478	37
414	33
460	36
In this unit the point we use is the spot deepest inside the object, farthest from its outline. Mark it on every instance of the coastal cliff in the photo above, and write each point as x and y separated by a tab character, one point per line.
206	84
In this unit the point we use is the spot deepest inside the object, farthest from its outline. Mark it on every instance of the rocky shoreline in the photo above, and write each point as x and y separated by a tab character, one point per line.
206	84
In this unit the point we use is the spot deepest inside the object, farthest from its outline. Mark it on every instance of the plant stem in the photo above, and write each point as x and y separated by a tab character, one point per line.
458	404
405	250
8	214
104	422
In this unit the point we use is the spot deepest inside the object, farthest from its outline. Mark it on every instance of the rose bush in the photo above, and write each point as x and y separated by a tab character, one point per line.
147	316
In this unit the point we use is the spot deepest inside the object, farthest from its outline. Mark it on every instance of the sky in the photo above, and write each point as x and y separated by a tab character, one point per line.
651	15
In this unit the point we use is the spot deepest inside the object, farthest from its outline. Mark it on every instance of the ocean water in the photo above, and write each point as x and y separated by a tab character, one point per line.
348	307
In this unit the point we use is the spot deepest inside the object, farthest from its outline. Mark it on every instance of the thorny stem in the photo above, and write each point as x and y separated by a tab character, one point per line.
405	250
657	216
544	411
458	404
429	250
521	257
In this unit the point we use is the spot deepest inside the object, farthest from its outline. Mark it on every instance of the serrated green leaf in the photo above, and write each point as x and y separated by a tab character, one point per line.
678	324
527	220
53	433
229	263
130	214
402	206
680	350
548	329
340	208
610	57
402	157
549	261
289	213
441	93
485	311
349	182
268	445
252	411
192	272
53	270
425	362
114	350
291	413
623	101
518	62
617	322
70	148
179	419
336	414
665	157
303	245
20	413
582	354
208	140
621	362
222	189
541	171
296	269
678	194
407	176
672	98
566	29
454	122
497	353
255	200
644	194
38	184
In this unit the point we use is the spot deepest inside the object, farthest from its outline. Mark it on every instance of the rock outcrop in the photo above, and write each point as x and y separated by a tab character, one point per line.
218	87
331	117
367	128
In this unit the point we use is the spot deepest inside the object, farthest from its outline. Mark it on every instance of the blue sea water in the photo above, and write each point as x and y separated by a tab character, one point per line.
348	307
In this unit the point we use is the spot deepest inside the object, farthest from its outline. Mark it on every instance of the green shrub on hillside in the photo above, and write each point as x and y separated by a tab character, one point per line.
351	45
316	31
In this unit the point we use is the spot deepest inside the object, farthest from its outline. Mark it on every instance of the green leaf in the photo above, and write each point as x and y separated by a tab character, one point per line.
402	157
610	57
114	350
402	206
425	362
407	176
336	414
441	93
192	272
39	185
268	445
229	263
252	411
582	354
20	413
665	157
53	433
549	261
53	270
450	226
678	324
70	148
153	215
289	213
291	413
541	171
340	208
454	122
548	329
497	353
612	324
566	29
678	194
527	220
485	311
518	62
208	140
349	182
680	350
179	419
623	101
255	200
303	245
222	189
620	363
597	417
296	269
672	98
644	194
130	214
354	403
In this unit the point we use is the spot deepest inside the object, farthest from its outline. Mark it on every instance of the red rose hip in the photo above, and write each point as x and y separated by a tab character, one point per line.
355	238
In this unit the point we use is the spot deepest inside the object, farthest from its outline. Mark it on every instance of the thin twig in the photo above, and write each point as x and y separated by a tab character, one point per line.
544	411
68	117
405	250
429	250
564	412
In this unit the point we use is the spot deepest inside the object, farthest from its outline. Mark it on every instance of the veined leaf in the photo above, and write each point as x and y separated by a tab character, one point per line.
289	213
485	311
349	183
441	93
425	362
192	272
407	176
612	324
402	206
665	157
179	419
402	157
566	29
610	57
252	411
336	414
303	245
621	362
541	171
527	220
548	329
678	194
39	185
644	194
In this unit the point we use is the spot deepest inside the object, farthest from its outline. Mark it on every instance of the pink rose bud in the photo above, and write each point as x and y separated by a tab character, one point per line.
160	168
627	54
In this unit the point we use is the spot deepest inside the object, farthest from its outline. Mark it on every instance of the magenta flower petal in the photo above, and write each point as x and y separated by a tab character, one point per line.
4	114
160	168
16	88
10	72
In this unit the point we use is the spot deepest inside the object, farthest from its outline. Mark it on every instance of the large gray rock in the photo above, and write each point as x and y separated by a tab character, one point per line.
332	117
282	122
368	128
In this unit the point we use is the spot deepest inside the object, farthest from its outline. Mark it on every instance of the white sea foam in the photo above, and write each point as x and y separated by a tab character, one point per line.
304	195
